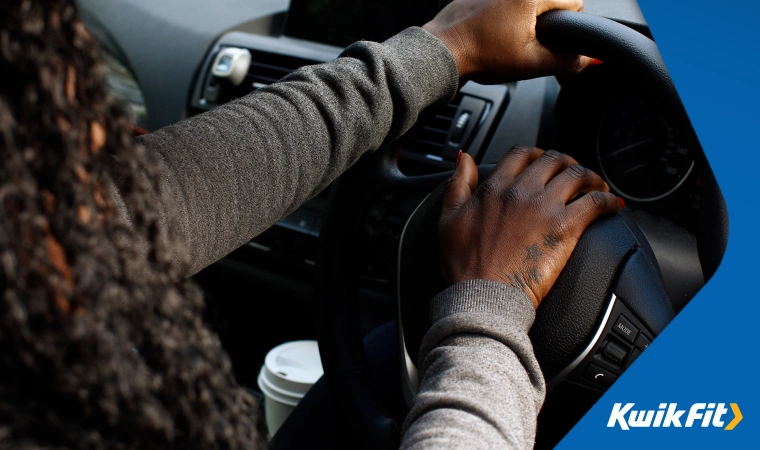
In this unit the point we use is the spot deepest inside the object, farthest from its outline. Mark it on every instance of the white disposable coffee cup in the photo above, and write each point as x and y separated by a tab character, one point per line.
289	371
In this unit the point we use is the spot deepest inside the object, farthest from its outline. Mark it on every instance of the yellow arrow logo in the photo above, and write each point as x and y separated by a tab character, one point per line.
737	417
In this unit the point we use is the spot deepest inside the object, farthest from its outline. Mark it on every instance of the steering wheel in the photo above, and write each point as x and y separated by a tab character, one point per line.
607	305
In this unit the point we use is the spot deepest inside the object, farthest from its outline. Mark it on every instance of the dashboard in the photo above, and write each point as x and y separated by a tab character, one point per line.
616	127
177	52
640	152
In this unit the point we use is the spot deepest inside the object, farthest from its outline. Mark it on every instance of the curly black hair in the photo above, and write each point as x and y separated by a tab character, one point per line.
99	347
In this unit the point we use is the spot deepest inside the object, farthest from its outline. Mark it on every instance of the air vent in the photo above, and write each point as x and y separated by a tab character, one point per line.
429	137
433	144
266	68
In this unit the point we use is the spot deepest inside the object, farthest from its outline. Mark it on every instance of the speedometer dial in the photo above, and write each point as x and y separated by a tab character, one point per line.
641	154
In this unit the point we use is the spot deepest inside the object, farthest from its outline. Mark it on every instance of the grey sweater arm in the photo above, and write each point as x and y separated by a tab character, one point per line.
231	173
481	386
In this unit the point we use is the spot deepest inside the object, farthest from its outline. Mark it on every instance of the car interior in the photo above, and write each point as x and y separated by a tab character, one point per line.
363	252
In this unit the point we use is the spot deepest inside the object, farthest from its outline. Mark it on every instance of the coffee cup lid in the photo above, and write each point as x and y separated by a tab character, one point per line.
292	368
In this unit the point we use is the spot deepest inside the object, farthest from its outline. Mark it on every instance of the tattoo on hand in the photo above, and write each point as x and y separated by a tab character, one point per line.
533	253
551	240
534	275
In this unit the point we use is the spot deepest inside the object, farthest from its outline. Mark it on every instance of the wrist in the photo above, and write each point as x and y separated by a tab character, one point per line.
484	296
516	282
456	45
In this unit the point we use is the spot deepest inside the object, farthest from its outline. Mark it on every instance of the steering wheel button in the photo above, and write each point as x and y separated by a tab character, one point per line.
615	353
597	375
643	341
626	329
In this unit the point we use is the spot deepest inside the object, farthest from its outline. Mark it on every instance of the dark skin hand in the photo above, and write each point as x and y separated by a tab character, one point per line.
494	41
519	226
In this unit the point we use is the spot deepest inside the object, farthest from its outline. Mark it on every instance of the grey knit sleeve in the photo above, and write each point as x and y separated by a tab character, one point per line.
232	172
480	384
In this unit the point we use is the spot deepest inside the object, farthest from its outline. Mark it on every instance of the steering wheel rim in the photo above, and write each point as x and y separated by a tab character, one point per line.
337	313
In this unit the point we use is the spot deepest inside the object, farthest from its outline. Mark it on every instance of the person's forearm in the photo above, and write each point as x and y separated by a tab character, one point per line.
232	172
481	386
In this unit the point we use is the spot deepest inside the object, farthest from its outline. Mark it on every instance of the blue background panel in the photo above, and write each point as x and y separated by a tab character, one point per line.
711	351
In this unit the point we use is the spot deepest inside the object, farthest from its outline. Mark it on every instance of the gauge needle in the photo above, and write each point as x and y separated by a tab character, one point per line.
629	147
635	168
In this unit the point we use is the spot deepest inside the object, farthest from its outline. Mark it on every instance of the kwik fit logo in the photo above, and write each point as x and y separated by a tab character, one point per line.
669	415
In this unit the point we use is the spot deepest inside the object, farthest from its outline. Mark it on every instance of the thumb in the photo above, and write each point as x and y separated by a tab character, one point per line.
558	62
460	187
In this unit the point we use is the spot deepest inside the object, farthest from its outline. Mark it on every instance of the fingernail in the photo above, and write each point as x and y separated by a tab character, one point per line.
596	62
459	159
622	202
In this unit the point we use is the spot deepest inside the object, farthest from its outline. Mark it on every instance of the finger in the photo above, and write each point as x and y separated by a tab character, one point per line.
592	205
549	5
550	62
546	167
573	181
517	159
460	187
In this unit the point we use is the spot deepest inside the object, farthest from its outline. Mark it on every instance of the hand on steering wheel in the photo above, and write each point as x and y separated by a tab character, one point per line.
511	51
611	257
521	225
